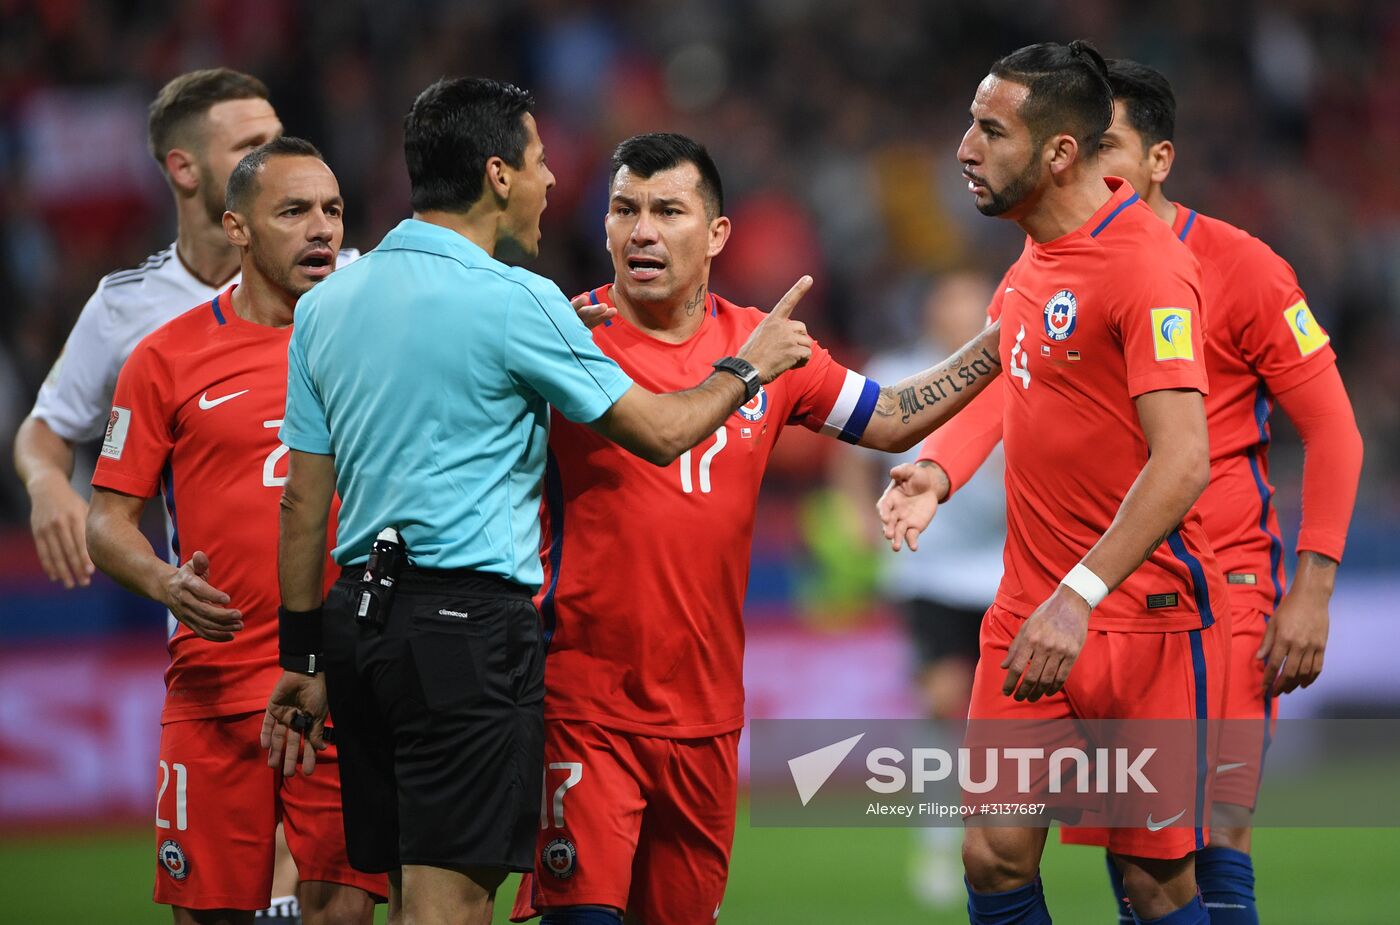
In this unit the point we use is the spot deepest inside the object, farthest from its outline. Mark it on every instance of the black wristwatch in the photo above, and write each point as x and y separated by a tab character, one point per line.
746	373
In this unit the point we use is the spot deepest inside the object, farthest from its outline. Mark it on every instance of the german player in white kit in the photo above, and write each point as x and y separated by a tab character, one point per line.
201	125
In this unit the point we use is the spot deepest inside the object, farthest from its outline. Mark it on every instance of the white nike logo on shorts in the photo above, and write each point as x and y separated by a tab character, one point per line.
1156	826
1222	768
205	402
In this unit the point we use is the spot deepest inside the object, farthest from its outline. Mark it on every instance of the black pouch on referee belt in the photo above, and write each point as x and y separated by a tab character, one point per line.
375	591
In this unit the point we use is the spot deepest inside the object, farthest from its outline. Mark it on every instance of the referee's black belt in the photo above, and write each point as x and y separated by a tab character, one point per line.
446	580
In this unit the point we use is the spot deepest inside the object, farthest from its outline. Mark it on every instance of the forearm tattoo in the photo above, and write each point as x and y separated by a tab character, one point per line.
919	393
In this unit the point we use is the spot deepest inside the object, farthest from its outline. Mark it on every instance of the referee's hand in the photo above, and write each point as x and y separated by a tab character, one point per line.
295	723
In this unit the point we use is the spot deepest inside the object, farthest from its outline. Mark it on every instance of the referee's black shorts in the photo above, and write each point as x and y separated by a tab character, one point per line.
439	722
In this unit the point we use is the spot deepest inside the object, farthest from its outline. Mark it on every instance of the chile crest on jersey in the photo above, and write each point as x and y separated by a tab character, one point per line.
754	408
1061	315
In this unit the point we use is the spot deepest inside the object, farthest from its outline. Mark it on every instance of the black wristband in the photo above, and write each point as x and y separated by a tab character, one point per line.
299	640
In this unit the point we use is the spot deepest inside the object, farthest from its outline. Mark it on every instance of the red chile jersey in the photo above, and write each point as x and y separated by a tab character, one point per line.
646	566
195	418
1090	321
1262	340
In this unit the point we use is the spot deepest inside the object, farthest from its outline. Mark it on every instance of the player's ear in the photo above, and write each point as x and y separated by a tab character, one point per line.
1064	152
719	235
1161	156
235	230
180	166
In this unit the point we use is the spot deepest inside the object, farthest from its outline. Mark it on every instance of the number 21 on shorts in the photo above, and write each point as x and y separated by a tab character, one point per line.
181	781
554	801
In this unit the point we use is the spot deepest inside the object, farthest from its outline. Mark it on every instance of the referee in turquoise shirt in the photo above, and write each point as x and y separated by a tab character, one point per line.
419	386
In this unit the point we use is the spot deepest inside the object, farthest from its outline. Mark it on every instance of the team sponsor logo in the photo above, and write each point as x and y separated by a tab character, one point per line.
560	858
114	441
1171	334
172	858
1061	315
754	408
1306	331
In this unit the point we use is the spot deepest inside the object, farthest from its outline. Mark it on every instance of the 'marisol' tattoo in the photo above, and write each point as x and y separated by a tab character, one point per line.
941	382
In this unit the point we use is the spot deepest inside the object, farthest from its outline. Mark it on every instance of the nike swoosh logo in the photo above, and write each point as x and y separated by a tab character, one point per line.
1010	289
205	402
1156	826
1222	768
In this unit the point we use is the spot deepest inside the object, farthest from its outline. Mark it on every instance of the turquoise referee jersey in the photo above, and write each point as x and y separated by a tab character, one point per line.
427	369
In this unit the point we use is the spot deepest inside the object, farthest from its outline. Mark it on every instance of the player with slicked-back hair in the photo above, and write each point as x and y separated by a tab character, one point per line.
1110	583
1263	346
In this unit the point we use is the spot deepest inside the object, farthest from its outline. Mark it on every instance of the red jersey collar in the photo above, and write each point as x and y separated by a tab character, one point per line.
603	296
222	307
1122	195
1184	222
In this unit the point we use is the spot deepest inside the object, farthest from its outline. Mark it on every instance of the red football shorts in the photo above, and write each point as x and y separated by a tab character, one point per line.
1250	713
1244	737
217	810
1119	675
640	823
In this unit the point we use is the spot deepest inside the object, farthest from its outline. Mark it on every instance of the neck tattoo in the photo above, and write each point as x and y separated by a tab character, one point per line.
696	301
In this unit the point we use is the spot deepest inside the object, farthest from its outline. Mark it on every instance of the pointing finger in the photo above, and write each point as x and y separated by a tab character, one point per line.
794	295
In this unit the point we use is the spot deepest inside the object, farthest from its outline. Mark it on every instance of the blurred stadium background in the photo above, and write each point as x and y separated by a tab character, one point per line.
834	124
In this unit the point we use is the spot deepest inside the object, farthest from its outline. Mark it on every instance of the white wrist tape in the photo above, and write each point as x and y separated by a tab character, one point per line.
1086	584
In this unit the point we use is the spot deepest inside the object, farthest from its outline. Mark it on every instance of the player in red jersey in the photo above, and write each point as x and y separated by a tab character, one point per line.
1106	452
1263	345
646	566
195	417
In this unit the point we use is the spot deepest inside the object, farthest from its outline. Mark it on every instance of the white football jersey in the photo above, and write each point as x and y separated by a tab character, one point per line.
76	397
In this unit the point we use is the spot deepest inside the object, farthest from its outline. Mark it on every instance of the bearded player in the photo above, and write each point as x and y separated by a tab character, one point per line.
1106	452
1263	346
195	418
644	700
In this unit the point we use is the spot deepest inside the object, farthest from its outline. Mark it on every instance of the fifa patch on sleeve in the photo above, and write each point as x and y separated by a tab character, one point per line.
1171	334
118	423
1306	331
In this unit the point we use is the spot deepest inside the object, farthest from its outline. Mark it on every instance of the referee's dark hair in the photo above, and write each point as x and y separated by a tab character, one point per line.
243	184
1069	91
650	154
453	129
1147	99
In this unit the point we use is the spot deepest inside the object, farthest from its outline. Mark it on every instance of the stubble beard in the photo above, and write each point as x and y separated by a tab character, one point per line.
1014	193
